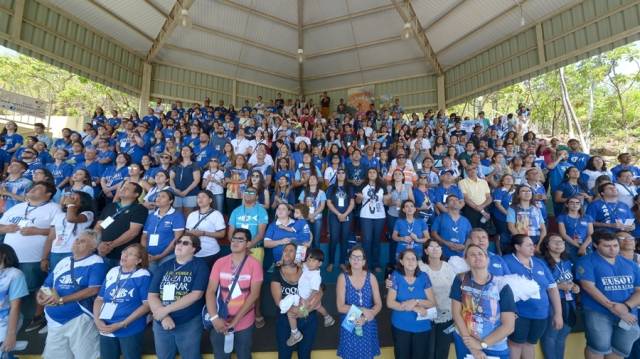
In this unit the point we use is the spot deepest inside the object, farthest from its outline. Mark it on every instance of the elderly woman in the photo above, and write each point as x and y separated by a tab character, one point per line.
120	308
284	282
67	295
483	312
176	301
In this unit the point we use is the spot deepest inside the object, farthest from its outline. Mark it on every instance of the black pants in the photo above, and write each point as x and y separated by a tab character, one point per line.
407	345
439	342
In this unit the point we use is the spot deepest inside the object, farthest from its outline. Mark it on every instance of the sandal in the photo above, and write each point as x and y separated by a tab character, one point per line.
260	322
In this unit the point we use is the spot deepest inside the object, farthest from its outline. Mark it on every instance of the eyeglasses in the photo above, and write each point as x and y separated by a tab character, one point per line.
238	239
250	193
255	175
357	258
184	243
165	157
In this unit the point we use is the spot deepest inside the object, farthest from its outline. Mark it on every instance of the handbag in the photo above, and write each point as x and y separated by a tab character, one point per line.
222	304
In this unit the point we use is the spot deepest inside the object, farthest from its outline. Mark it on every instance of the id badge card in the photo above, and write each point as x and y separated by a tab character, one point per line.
236	291
169	292
154	239
107	222
341	202
107	311
59	239
23	223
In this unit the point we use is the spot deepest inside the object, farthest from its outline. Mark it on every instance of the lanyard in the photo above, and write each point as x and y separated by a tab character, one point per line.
117	284
156	214
530	270
202	218
27	210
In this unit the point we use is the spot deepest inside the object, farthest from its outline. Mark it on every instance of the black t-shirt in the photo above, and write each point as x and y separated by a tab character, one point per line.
286	288
122	219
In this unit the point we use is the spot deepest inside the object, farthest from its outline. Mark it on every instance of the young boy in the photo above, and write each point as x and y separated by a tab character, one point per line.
308	285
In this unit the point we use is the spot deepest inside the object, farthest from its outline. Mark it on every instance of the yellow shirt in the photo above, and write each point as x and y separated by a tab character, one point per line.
476	191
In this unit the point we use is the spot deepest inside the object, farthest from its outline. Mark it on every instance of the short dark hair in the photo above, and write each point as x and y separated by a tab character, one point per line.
316	253
602	236
195	241
137	189
245	231
49	187
603	186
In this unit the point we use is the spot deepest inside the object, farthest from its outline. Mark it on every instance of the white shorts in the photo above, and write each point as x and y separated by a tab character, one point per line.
289	301
78	338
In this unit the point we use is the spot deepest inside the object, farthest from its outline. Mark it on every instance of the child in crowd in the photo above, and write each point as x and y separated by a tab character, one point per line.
308	285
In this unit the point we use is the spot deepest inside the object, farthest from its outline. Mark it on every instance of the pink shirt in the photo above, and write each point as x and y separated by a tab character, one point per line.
251	273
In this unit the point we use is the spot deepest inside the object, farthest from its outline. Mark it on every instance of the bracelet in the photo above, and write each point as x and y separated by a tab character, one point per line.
214	317
627	305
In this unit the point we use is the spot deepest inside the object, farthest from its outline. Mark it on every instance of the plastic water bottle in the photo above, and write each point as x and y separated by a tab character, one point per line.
228	342
358	330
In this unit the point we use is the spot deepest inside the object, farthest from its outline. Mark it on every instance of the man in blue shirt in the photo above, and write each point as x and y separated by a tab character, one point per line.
446	188
68	294
625	164
451	228
611	295
608	213
497	265
576	157
252	216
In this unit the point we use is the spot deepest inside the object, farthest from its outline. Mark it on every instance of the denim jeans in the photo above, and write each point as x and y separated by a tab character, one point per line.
242	341
439	341
307	326
339	233
604	336
371	230
505	236
184	339
219	202
129	347
316	231
393	245
409	345
553	341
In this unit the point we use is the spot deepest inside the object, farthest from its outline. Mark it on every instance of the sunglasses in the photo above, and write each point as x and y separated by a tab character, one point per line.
238	239
184	243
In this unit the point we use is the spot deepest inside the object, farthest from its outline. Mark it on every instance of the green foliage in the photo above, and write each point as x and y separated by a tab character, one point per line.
68	94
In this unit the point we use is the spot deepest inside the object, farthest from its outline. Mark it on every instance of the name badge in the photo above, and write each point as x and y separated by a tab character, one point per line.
236	291
24	223
169	292
312	209
107	311
106	223
340	202
154	239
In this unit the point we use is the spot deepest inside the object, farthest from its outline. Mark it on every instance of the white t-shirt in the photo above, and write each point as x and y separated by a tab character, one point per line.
253	160
215	188
240	145
626	193
67	232
29	248
309	281
372	203
212	223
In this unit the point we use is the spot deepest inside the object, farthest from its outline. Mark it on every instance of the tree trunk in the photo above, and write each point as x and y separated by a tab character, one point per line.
571	114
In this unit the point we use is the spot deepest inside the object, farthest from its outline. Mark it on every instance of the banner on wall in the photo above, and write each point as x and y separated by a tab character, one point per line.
360	98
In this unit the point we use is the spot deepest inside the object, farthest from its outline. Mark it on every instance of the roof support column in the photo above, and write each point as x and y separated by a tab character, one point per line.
542	58
16	26
300	47
442	99
234	93
145	89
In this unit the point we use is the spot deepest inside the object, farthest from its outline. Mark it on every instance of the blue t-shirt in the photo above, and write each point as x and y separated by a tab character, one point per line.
609	212
164	227
440	193
249	218
19	187
128	291
533	308
556	175
497	265
88	272
114	176
407	320
404	229
451	231
563	272
616	281
530	218
11	141
187	277
340	197
60	172
303	232
579	160
504	198
12	286
275	233
576	228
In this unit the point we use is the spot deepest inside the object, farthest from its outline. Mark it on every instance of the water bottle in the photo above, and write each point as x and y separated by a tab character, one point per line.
228	342
358	330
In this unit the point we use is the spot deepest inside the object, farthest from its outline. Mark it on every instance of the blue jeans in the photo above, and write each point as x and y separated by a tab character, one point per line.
553	341
129	347
604	336
184	339
339	233
33	275
316	231
393	245
219	202
242	341
504	234
371	230
307	326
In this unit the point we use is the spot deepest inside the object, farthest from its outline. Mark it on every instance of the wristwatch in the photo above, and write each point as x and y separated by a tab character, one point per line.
60	301
484	345
214	318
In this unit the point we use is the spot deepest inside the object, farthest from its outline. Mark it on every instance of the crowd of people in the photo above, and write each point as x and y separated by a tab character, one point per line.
175	220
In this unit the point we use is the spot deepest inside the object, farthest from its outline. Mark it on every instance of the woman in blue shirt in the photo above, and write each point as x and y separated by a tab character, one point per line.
533	314
340	201
410	233
184	179
280	232
501	201
576	228
120	308
409	299
570	187
552	251
12	140
162	228
114	175
283	193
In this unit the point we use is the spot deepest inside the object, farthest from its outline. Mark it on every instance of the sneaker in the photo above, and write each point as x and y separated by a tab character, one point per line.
36	323
294	339
44	330
328	321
